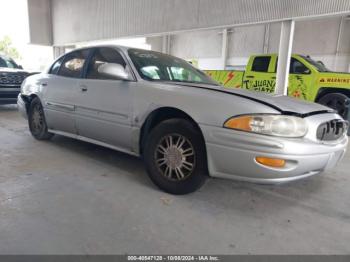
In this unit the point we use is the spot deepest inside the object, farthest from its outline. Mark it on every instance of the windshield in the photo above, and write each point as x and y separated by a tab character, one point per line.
318	64
7	62
154	66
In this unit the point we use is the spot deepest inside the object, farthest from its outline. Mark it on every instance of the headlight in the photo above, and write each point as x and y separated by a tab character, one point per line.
274	125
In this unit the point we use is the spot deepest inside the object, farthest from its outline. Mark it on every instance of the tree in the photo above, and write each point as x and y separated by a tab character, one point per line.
7	49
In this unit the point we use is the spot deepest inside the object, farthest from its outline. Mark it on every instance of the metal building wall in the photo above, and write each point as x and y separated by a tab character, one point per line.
40	27
84	20
325	39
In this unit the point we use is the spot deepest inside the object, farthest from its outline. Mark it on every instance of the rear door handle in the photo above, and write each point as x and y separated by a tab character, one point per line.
43	84
249	76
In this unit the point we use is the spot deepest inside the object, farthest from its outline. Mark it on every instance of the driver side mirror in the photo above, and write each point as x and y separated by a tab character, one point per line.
321	63
113	71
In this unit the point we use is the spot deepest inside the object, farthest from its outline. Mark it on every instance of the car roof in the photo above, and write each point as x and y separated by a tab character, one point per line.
121	47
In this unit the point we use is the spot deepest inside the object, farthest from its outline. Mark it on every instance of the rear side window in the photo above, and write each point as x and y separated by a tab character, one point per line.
73	64
102	56
56	66
261	64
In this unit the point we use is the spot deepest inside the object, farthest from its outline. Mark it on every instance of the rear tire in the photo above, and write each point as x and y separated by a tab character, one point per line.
336	101
37	122
175	157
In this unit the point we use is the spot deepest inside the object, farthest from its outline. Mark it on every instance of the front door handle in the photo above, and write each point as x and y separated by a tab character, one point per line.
43	84
249	76
83	88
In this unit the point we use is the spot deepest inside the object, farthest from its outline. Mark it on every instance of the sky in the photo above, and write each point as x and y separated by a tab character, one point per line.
14	23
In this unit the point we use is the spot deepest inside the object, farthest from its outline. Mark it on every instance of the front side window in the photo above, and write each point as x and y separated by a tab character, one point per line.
73	64
56	66
102	56
297	67
261	64
154	66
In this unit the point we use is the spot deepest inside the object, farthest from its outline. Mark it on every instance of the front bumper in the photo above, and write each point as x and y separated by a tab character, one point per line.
9	95
231	154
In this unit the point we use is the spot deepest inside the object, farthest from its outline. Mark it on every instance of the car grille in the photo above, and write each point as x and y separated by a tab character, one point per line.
12	78
332	130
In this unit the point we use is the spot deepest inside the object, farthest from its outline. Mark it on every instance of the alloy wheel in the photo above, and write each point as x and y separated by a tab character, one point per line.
175	157
37	119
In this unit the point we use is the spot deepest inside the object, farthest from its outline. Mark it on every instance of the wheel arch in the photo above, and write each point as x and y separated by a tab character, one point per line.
28	99
328	90
161	114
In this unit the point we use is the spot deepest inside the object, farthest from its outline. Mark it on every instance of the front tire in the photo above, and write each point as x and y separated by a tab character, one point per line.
37	122
175	157
336	101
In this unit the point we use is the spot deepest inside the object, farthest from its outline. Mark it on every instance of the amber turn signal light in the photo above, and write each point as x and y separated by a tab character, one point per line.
271	162
241	123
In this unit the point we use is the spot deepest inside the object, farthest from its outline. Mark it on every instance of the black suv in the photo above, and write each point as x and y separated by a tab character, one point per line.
11	78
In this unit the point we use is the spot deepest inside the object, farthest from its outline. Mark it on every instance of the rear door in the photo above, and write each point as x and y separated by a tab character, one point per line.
61	91
260	75
104	105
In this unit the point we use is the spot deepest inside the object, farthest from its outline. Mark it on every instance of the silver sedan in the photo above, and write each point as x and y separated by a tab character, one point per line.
183	124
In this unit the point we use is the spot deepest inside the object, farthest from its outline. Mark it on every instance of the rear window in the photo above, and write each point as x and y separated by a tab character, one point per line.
261	64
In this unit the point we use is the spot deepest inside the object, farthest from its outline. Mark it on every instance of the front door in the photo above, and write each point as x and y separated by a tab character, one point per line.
104	105
300	79
60	91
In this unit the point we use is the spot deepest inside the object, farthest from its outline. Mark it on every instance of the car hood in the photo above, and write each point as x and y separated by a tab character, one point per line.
11	70
284	104
334	72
